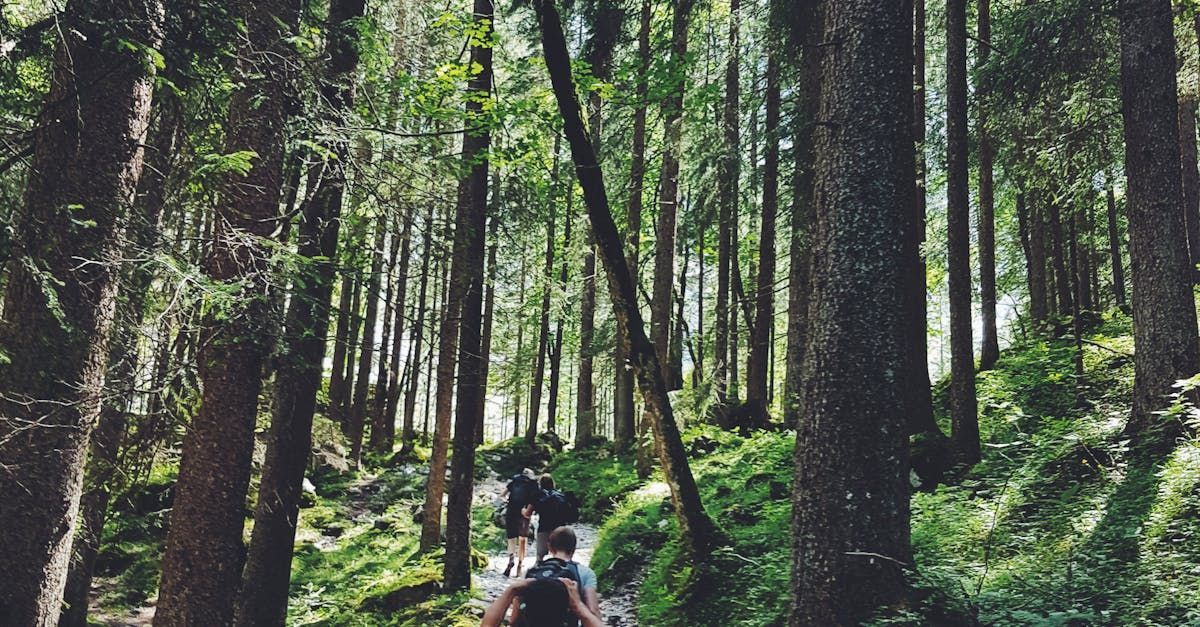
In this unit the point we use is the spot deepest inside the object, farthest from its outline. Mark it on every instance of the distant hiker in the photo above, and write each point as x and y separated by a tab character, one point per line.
554	509
558	592
521	492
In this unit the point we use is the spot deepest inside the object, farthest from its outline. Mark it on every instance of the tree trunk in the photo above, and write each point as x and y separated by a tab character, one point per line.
342	411
1062	277
395	380
539	373
516	432
989	350
727	190
1033	244
366	352
1164	312
202	562
1191	176
338	388
58	312
1114	248
623	403
101	479
408	433
764	309
963	412
489	307
803	207
380	440
468	269
1082	255
266	577
851	492
556	348
930	452
696	529
668	191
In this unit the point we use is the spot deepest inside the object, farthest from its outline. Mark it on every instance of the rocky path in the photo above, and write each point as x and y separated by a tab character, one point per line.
620	609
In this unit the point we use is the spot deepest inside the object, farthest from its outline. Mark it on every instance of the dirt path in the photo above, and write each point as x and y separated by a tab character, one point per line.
620	609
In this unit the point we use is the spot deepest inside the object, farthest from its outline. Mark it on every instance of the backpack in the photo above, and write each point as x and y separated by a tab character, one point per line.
522	491
499	517
559	508
545	599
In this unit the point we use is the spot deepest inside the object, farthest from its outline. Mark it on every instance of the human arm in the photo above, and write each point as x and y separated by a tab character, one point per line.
496	611
579	608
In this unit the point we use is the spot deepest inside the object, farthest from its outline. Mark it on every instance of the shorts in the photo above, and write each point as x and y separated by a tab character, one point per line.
516	525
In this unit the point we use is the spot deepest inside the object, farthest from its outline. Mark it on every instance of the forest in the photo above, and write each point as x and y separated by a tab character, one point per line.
808	312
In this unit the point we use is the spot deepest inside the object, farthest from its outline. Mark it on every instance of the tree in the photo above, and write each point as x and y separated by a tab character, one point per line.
356	421
267	574
728	198
1164	312
850	541
764	308
468	268
989	350
807	36
696	529
965	431
1114	247
103	465
202	562
623	404
86	161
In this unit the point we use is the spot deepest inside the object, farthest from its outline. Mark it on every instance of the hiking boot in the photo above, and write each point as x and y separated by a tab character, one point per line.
508	569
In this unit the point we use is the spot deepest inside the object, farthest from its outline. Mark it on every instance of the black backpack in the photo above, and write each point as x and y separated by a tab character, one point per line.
521	492
560	507
545	598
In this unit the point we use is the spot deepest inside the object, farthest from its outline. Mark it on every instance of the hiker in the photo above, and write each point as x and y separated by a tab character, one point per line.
554	509
557	592
520	493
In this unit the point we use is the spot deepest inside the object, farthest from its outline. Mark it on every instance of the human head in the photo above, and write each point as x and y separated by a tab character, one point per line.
562	540
544	602
547	482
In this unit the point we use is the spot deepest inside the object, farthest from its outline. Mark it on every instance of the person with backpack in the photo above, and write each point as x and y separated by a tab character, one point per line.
558	592
554	509
520	494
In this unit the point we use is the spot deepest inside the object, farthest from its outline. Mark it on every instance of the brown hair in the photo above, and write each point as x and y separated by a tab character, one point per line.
562	540
546	482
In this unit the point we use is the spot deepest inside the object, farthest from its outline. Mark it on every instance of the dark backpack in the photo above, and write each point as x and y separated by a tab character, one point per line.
521	492
558	508
545	599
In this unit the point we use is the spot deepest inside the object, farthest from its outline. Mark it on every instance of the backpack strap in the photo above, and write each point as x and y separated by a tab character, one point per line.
573	567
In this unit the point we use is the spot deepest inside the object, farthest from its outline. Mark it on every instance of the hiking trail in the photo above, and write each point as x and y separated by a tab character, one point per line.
619	608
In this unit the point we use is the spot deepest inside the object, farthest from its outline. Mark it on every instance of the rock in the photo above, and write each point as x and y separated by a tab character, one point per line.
402	597
334	531
308	487
381	524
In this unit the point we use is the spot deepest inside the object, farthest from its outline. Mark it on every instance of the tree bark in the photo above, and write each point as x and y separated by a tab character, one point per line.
803	207
1114	248
1190	175
381	438
468	269
267	574
850	492
989	350
965	430
337	379
727	191
764	309
366	353
489	308
87	157
408	433
623	404
101	479
557	346
696	529
395	379
539	372
1062	276
1164	312
1033	244
202	562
